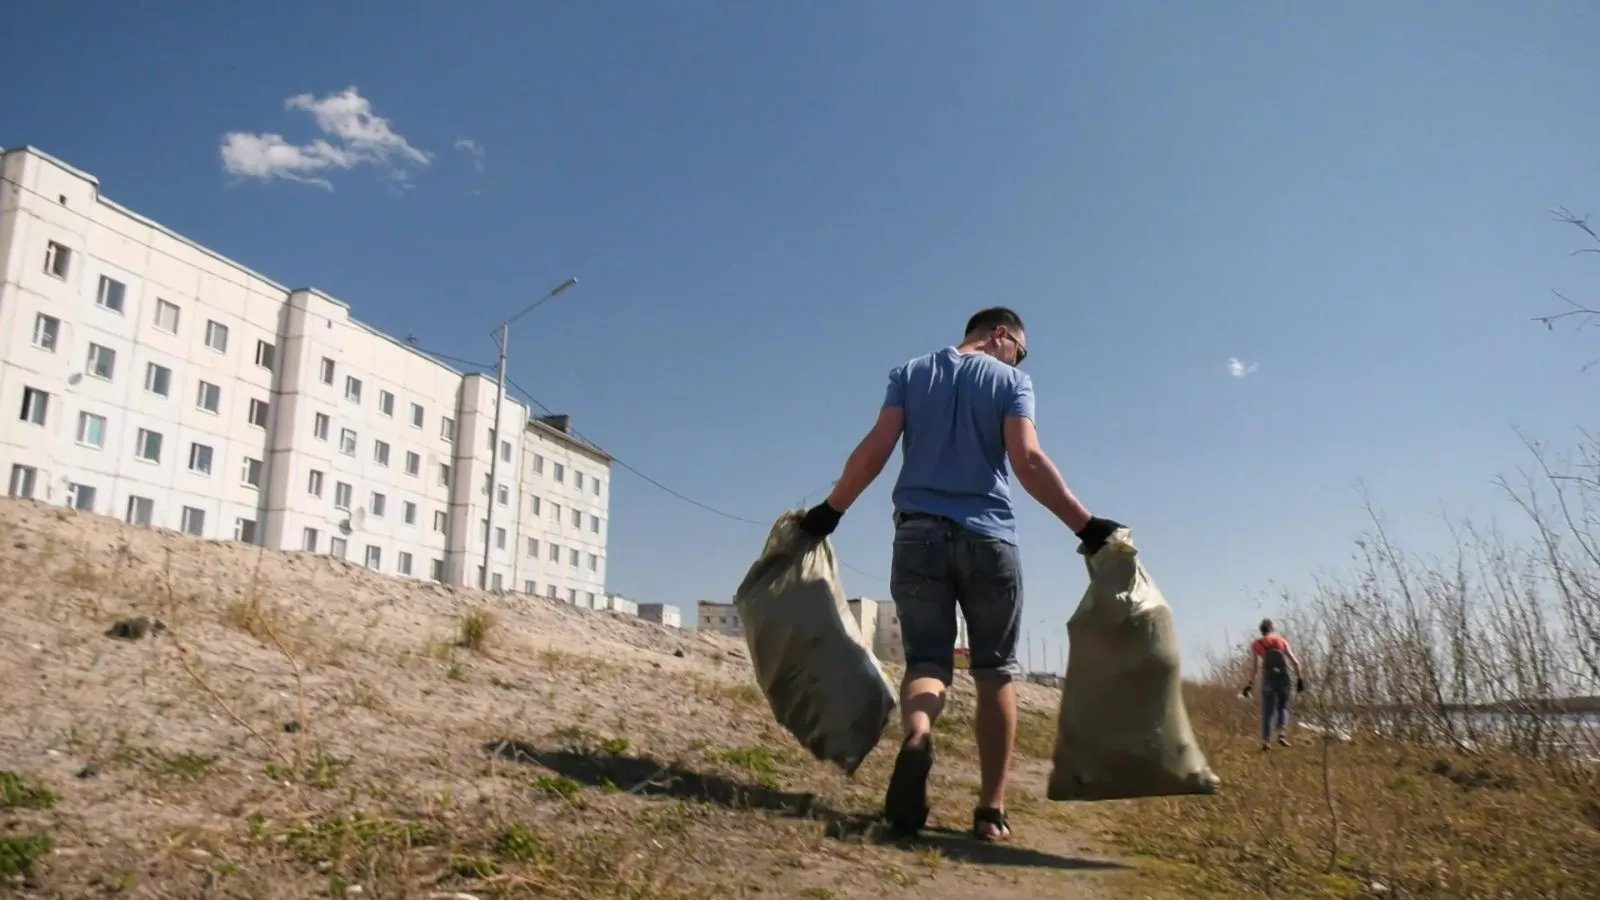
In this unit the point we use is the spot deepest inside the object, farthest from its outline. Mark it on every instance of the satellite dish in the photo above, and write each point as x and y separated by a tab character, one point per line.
344	526
75	379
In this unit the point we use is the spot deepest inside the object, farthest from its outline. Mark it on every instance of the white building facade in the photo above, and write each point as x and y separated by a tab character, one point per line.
661	614
155	381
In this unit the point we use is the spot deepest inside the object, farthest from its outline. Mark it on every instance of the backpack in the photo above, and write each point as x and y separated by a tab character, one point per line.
1275	665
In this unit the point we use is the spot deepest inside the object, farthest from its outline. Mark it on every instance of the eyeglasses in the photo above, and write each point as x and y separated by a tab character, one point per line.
1022	351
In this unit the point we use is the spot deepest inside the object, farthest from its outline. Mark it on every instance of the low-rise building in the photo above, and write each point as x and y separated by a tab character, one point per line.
617	603
661	614
719	618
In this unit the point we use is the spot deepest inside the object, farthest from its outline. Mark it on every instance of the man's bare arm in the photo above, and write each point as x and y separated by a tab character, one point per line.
866	462
1039	476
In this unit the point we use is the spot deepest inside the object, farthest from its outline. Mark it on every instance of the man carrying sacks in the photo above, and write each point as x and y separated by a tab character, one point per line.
963	412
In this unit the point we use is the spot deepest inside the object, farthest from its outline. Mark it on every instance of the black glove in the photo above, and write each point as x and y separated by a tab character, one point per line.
1095	533
1247	689
1299	685
820	520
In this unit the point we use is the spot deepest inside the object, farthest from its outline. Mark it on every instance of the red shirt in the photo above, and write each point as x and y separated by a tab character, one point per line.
1259	647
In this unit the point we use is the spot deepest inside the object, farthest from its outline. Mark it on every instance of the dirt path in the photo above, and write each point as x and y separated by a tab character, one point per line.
304	728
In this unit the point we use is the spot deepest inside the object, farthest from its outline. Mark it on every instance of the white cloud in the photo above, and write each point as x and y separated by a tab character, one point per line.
474	151
351	136
1240	369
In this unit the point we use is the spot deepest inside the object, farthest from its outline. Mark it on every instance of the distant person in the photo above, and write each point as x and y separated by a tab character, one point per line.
962	412
1278	669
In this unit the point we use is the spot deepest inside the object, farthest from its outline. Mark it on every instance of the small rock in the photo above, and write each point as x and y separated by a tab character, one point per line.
291	727
89	771
678	653
130	629
1378	887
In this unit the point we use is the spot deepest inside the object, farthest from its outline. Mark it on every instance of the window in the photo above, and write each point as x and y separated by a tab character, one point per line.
35	406
327	371
555	553
444	474
265	353
486	484
538	464
319	426
46	330
594	563
258	413
244	530
380	453
347	442
483	529
439	521
436	570
148	446
209	397
560	473
158	379
494	582
102	361
417	415
555	513
200	459
57	260
577	518
250	473
550	591
533	505
379	505
503	495
594	524
403	564
81	497
499	538
533	548
572	558
338	547
111	294
216	336
140	510
91	430
385	403
166	316
572	596
447	428
594	486
528	587
352	389
408	513
342	495
374	557
505	451
413	463
193	521
577	479
23	481
314	483
308	539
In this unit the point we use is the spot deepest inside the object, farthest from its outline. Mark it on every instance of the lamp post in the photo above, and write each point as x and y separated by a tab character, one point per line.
494	448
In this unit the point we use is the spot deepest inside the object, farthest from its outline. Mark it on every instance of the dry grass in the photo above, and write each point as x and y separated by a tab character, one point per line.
1334	819
300	729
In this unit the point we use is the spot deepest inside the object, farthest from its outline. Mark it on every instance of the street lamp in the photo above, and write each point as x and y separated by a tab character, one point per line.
494	448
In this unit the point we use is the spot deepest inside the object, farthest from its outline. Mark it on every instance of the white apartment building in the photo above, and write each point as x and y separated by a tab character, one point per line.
661	614
156	381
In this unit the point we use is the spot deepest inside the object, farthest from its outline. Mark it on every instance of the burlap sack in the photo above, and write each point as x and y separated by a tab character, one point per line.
818	675
1123	731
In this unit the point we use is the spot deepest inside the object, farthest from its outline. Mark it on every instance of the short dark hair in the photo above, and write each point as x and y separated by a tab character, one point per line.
1266	626
992	318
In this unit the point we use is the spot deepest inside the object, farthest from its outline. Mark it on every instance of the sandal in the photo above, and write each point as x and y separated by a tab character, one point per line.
990	824
906	804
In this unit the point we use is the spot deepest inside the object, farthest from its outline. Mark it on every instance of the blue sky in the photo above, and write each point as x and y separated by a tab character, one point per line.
768	205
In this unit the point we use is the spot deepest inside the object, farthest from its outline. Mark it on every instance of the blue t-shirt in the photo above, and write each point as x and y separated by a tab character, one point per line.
953	451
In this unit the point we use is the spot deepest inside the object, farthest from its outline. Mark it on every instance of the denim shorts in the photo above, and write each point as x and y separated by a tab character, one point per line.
940	566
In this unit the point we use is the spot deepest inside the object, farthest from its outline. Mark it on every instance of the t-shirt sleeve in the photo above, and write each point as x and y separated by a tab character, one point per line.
1021	403
894	397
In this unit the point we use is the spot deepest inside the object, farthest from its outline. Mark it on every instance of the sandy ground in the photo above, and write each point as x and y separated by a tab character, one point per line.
305	728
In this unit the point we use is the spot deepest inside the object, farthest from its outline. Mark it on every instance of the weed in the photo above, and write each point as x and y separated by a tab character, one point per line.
474	629
18	853
186	766
456	672
518	843
557	786
17	792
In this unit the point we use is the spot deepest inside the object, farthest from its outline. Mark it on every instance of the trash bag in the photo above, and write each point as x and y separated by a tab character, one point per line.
817	672
1123	731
